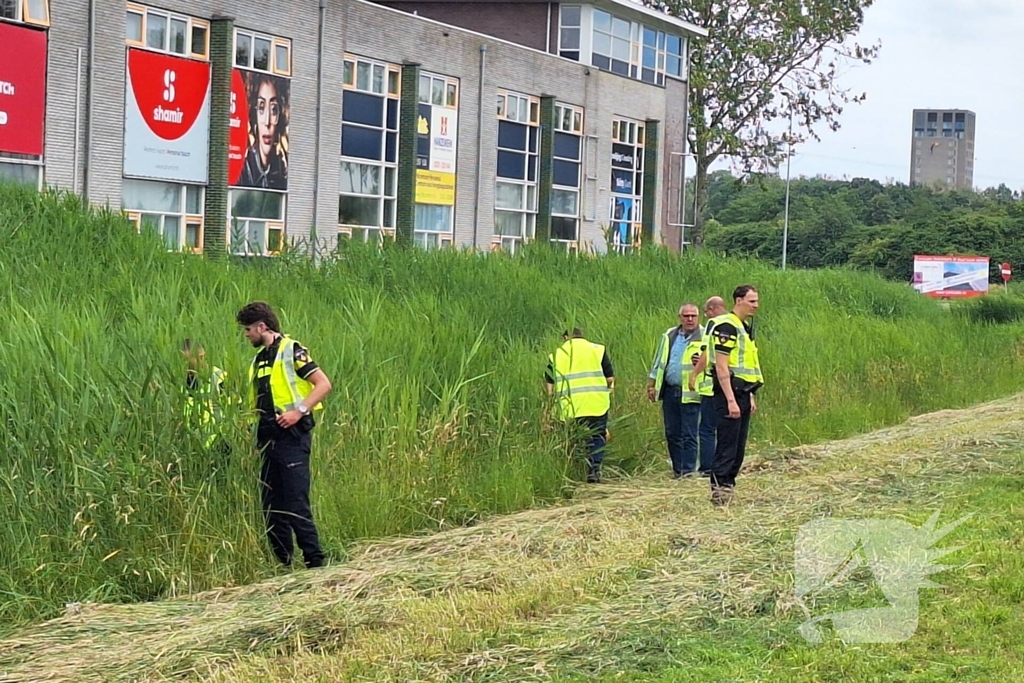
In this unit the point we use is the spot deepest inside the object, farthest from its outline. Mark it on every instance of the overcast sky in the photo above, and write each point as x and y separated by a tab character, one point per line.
955	54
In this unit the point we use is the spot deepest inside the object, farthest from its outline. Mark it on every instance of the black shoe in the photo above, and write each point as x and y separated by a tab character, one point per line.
316	563
594	476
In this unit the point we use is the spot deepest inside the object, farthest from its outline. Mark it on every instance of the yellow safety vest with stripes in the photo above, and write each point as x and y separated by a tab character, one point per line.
706	381
744	363
692	349
580	384
286	387
201	412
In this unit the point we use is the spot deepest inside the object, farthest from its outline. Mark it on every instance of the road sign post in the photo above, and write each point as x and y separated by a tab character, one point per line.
1007	273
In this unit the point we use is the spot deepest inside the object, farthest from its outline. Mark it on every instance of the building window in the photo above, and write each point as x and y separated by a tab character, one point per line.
170	210
515	187
161	31
369	149
569	30
21	170
436	155
626	207
566	174
633	50
263	53
27	11
611	43
256	222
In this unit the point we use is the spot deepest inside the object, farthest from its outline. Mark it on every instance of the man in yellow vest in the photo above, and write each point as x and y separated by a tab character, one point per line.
667	382
580	376
286	387
737	377
702	382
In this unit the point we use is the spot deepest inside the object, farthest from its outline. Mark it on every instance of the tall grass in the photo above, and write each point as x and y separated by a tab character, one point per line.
437	359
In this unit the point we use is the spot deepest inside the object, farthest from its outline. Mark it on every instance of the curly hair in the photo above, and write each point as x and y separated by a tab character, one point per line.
259	311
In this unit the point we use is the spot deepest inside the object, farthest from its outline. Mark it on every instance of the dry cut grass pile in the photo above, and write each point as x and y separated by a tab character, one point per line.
524	595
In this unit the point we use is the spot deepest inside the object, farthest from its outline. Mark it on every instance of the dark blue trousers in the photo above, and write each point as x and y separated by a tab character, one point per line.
708	427
681	420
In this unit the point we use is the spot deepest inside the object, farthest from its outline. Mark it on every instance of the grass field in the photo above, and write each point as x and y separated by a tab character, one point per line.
437	360
642	581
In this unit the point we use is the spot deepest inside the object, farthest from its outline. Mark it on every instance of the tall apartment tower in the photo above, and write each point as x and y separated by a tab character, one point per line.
942	149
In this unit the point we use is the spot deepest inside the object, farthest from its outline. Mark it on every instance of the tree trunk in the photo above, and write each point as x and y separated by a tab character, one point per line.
700	214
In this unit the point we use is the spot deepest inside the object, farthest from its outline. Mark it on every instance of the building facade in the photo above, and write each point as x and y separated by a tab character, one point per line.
942	148
485	127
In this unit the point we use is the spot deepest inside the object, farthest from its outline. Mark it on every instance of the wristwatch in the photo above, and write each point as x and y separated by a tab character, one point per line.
303	409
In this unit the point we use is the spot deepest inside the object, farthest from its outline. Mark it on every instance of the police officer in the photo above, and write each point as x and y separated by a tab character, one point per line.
580	375
286	388
702	382
680	406
737	377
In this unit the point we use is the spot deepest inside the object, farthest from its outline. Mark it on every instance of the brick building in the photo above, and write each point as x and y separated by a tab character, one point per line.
471	124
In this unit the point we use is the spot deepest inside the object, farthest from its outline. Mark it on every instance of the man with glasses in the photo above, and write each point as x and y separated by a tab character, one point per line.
667	382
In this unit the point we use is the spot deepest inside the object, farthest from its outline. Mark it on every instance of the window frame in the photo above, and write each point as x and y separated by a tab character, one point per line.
579	34
144	11
576	128
386	195
275	42
276	224
186	218
34	162
629	132
23	16
444	237
529	205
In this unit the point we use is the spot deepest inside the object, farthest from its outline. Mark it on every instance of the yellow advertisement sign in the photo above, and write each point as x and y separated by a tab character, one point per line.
435	188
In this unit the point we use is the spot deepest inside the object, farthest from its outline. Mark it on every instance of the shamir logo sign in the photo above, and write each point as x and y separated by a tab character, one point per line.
167	117
173	90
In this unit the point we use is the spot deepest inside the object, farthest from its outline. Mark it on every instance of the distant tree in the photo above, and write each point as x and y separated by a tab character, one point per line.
764	60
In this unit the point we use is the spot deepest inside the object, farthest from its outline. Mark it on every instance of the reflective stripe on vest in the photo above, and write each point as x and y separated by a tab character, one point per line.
287	389
706	383
692	348
743	360
580	384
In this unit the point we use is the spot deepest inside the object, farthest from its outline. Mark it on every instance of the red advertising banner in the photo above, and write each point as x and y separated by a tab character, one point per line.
167	117
22	89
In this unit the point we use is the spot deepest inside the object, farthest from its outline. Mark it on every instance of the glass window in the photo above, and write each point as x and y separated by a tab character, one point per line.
243	50
133	30
261	54
170	210
515	190
179	36
369	150
22	174
37	11
200	36
156	31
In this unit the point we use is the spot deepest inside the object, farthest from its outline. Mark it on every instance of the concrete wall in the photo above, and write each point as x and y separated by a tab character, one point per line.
520	23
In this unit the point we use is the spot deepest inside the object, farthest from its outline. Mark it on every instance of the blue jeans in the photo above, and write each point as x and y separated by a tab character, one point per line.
708	425
681	420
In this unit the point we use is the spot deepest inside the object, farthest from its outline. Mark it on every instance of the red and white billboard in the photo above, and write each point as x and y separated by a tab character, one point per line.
166	117
22	89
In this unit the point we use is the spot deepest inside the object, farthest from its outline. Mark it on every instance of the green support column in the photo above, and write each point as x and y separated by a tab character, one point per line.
405	215
650	180
222	33
545	172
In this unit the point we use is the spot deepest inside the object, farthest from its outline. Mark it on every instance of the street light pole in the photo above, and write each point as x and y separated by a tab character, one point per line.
785	223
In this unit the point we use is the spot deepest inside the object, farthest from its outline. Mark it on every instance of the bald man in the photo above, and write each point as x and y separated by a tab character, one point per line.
703	383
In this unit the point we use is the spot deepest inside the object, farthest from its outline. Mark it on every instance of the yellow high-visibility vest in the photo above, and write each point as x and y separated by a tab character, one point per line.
201	413
286	387
743	360
580	384
661	356
706	381
692	349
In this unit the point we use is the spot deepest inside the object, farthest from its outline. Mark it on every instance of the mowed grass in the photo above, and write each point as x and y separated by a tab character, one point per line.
437	360
642	581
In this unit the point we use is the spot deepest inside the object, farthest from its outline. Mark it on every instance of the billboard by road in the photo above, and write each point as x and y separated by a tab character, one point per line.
951	276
